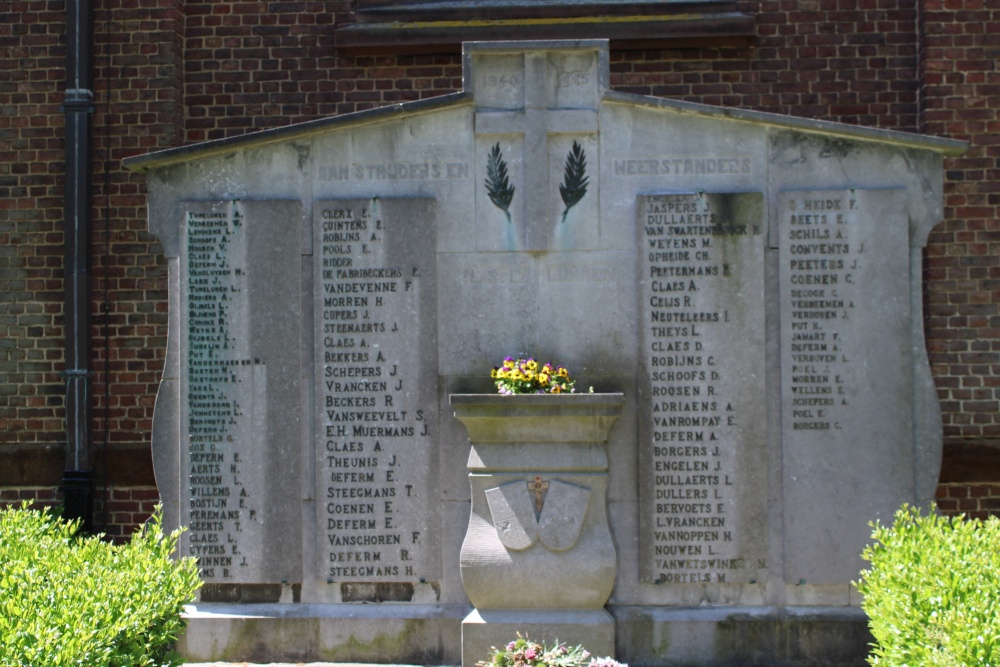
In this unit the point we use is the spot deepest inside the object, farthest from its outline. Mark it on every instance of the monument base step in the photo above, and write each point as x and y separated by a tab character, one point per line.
642	636
742	636
332	633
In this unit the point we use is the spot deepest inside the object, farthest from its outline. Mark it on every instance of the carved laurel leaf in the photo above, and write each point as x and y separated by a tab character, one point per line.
498	185
575	179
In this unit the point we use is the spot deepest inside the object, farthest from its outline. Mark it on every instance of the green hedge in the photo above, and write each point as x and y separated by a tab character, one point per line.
68	600
932	593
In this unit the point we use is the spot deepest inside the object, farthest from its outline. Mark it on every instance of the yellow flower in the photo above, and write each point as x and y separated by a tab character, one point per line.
527	376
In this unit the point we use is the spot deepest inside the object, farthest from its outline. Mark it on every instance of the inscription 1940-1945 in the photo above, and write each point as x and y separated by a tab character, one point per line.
374	307
702	318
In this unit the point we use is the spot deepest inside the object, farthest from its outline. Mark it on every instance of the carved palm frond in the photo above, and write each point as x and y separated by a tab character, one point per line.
575	180
498	185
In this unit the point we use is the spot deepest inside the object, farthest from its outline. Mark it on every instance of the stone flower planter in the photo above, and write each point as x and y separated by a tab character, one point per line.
538	538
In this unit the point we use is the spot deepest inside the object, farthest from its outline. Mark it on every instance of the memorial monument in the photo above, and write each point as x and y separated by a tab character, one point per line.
748	285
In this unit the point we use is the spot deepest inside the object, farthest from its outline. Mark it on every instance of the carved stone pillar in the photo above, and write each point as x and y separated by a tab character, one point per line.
538	557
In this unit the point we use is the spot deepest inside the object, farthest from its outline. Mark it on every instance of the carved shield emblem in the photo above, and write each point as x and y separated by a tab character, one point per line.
561	508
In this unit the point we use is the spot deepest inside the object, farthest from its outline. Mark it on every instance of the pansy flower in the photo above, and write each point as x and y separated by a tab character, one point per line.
528	376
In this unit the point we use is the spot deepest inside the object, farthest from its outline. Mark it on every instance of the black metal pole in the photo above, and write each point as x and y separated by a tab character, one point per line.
78	107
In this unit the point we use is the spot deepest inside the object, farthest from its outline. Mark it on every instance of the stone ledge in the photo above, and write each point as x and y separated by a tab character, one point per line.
263	633
686	30
741	636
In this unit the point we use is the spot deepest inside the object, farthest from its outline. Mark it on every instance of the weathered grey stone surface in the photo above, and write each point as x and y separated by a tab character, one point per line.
375	301
519	218
538	536
239	389
846	372
333	633
743	636
520	519
703	491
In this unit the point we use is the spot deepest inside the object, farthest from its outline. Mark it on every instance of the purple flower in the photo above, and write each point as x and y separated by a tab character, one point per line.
511	646
606	662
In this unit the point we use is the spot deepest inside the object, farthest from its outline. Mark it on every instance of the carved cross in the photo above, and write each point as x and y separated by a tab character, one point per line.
540	116
539	487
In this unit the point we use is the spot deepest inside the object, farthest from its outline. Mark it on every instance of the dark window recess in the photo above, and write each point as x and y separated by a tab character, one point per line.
442	25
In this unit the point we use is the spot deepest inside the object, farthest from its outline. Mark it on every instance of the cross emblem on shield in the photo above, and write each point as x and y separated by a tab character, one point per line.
539	487
550	511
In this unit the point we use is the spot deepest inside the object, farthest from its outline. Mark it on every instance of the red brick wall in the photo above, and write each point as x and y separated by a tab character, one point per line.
169	72
255	65
31	141
36	497
118	510
846	61
960	98
31	251
137	107
138	92
972	500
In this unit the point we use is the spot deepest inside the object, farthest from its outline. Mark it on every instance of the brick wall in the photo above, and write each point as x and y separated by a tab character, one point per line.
851	62
137	108
31	252
138	92
169	72
31	140
960	98
255	65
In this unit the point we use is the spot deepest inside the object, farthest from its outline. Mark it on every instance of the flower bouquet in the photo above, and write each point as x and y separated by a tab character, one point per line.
522	652
526	376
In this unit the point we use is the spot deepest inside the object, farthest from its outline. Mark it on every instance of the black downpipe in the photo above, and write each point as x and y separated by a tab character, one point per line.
78	107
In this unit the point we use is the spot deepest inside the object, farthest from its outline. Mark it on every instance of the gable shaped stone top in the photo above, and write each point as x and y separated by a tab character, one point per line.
485	55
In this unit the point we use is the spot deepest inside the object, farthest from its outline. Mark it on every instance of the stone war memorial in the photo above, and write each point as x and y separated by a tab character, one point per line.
741	290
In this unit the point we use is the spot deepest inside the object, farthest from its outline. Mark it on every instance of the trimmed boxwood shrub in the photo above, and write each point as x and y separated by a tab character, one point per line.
73	600
932	593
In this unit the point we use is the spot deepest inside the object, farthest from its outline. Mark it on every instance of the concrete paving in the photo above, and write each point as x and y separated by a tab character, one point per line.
288	664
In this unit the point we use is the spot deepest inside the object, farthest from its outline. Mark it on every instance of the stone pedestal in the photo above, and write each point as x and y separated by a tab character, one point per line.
538	557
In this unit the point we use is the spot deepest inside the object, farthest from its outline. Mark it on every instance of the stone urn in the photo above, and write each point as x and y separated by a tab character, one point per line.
538	553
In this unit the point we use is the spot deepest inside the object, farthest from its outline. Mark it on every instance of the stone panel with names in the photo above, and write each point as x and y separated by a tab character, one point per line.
375	310
238	369
703	448
845	368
